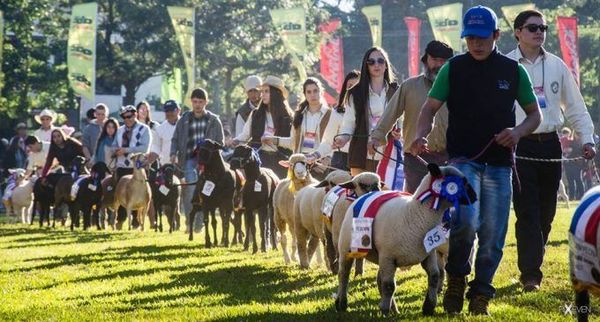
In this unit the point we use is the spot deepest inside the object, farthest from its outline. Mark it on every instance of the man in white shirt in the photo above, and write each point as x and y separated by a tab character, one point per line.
252	86
161	147
557	94
37	154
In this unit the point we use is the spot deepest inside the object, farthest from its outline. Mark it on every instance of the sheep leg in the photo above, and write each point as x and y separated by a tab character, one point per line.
283	241
331	254
582	304
430	264
313	247
301	241
262	221
190	224
206	218
441	263
247	214
157	217
359	267
387	267
341	301
225	216
213	215
74	220
141	215
393	306
272	228
252	233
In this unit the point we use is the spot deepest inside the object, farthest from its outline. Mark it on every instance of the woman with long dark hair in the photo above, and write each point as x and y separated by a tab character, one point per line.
62	148
339	159
272	118
366	103
104	150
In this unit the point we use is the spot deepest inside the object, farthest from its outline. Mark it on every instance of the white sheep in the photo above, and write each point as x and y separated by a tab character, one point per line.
283	199
358	186
20	198
308	218
399	230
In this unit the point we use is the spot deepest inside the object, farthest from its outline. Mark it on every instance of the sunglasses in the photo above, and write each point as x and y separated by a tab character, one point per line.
534	28
372	61
127	116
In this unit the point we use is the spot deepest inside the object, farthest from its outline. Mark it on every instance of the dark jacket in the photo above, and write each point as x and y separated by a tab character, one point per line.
214	131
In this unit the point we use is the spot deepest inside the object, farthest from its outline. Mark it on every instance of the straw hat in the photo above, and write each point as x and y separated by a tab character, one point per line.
277	83
45	112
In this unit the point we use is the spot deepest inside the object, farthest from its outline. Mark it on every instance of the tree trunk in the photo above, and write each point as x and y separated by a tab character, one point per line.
228	89
130	89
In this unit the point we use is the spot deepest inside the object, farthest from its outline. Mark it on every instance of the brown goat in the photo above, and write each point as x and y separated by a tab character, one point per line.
133	192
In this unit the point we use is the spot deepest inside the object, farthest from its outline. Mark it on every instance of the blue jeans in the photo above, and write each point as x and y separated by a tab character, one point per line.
488	220
188	193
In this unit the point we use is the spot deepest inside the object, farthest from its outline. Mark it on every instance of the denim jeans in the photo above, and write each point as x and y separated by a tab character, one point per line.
188	194
488	220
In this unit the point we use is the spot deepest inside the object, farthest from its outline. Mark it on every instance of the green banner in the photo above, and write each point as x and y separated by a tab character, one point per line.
170	88
1	45
373	14
291	26
446	23
81	54
183	23
511	12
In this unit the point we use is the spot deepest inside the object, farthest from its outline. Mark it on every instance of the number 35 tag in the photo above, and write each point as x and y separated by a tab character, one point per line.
435	237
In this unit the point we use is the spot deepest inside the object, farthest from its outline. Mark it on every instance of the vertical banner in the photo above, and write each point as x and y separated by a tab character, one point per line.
446	22
1	44
511	12
183	22
373	14
414	28
81	53
332	58
567	35
170	87
291	26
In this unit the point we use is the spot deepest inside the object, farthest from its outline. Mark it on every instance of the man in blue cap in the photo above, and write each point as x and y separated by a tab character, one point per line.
479	88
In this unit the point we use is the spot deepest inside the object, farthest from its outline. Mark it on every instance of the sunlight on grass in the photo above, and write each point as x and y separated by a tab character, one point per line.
56	274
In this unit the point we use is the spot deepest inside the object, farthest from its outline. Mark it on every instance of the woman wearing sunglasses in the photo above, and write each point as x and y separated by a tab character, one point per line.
557	95
366	103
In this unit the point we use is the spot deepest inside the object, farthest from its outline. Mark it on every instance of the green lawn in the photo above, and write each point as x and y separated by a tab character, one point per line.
55	274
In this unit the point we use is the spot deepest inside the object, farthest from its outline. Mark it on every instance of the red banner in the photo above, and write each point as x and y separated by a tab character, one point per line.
567	34
332	58
414	27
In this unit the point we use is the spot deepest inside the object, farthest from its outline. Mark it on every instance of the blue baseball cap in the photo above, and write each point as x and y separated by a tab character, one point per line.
170	105
479	21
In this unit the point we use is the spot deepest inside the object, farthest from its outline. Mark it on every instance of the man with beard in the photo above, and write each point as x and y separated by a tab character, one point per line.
408	100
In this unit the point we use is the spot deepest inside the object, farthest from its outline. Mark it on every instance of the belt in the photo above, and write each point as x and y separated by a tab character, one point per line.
541	137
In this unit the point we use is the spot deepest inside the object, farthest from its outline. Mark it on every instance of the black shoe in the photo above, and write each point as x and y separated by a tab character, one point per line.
455	294
478	305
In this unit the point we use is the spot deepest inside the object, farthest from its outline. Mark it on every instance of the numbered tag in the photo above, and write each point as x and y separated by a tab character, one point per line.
583	260
269	131
208	188
92	187
540	95
309	140
328	203
109	188
257	186
374	121
163	189
361	233
435	237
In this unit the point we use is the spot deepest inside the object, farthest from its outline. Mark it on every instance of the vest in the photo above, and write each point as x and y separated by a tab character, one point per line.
299	136
244	111
481	103
257	129
357	151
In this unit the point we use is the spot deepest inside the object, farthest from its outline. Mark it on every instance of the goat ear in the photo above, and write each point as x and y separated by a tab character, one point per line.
11	171
284	163
220	146
347	185
434	170
323	184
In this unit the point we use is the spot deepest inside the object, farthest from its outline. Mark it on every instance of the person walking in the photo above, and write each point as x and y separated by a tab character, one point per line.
559	99
479	88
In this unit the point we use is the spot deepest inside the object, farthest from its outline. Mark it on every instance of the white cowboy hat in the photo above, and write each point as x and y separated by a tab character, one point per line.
277	83
45	112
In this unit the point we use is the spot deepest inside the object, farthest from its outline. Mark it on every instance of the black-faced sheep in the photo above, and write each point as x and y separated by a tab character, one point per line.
399	227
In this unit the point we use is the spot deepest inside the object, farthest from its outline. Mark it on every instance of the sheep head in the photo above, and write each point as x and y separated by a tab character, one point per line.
206	149
363	183
334	178
17	174
243	155
298	170
436	172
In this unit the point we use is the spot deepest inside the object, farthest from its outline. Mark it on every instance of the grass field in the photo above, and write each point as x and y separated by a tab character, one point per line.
56	274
